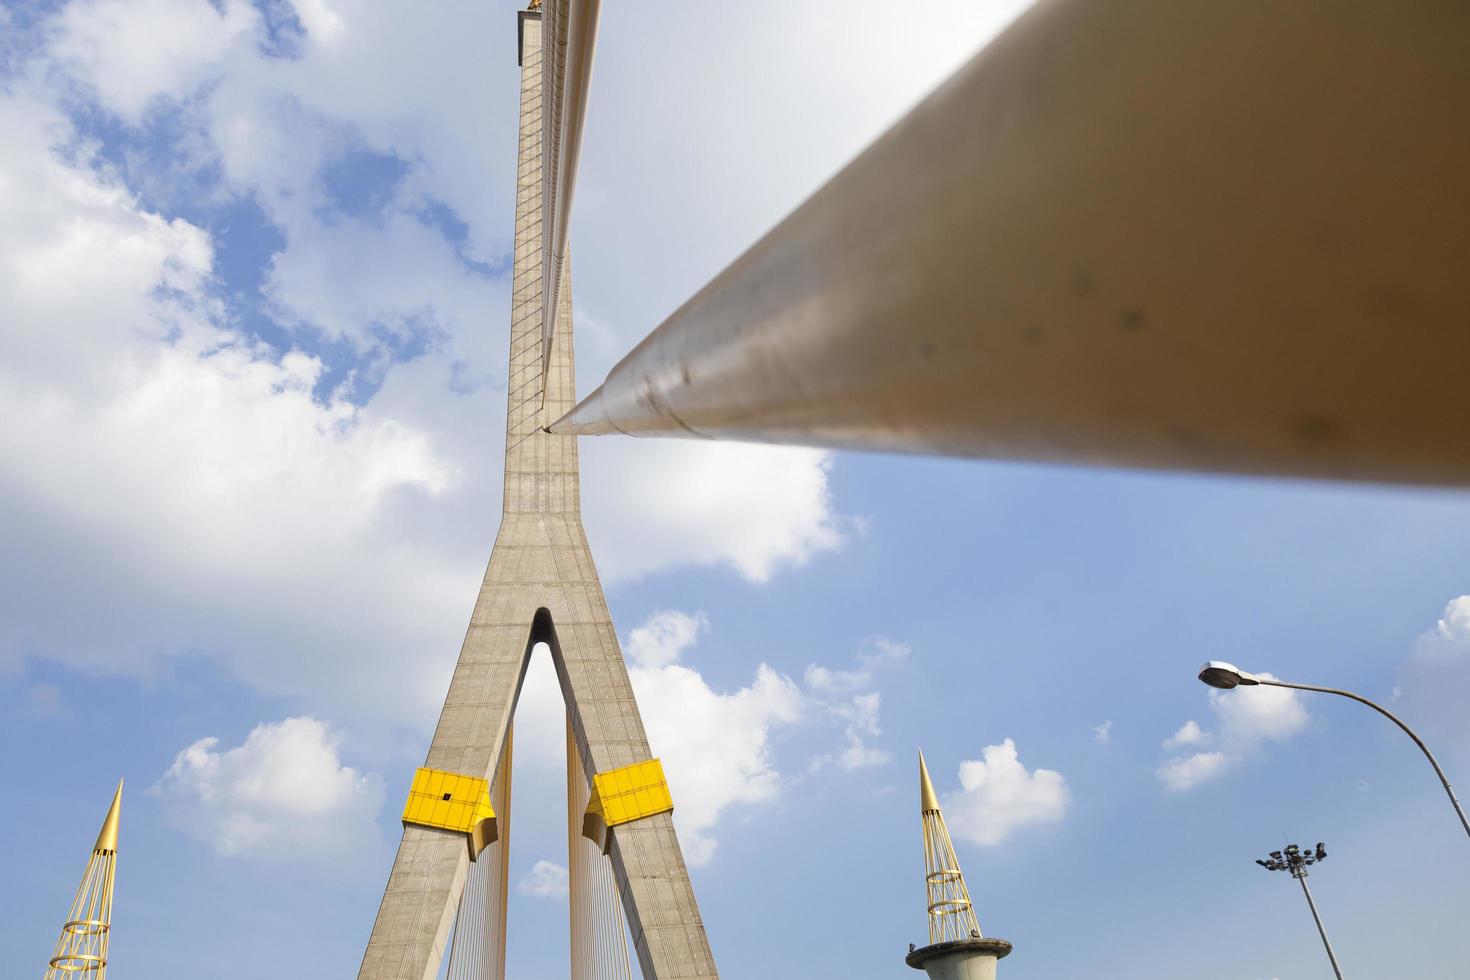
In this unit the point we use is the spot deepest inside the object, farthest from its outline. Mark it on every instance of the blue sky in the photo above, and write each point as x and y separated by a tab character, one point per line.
253	324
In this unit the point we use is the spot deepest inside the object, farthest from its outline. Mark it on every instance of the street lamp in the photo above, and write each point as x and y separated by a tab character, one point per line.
1296	861
1218	673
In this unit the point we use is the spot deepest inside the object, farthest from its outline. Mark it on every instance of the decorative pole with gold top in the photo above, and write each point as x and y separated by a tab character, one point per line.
82	948
956	950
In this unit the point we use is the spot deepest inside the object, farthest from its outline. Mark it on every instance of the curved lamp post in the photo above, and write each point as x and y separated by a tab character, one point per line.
1217	673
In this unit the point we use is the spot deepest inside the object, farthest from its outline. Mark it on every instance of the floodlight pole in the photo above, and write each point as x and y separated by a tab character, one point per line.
1293	859
1321	930
1443	779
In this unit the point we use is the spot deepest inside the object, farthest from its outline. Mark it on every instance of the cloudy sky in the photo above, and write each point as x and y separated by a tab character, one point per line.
254	264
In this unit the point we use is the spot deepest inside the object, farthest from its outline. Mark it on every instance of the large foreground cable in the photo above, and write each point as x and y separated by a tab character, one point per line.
1186	234
570	38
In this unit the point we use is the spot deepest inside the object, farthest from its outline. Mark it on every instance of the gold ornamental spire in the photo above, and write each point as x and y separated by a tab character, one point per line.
951	916
927	799
107	837
82	948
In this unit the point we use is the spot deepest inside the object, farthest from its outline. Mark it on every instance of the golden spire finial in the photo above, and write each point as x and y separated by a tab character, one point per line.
951	916
535	5
927	799
956	947
107	837
87	931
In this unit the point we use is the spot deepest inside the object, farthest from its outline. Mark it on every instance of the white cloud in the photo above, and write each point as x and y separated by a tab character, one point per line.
1187	772
848	695
546	879
393	77
664	637
757	509
1434	676
226	505
1255	714
1103	733
1249	718
715	747
861	714
321	22
1449	639
283	794
137	51
179	480
999	796
1189	733
878	653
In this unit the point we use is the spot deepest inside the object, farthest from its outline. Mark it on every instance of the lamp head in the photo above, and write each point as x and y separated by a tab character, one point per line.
1218	673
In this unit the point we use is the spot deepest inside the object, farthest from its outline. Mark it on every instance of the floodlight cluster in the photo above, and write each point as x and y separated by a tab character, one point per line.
1294	859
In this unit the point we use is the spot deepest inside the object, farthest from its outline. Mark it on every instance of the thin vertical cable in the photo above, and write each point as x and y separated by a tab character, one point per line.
582	967
499	880
622	967
454	938
599	931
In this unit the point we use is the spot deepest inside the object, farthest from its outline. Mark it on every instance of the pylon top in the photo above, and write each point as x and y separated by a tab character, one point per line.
107	837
